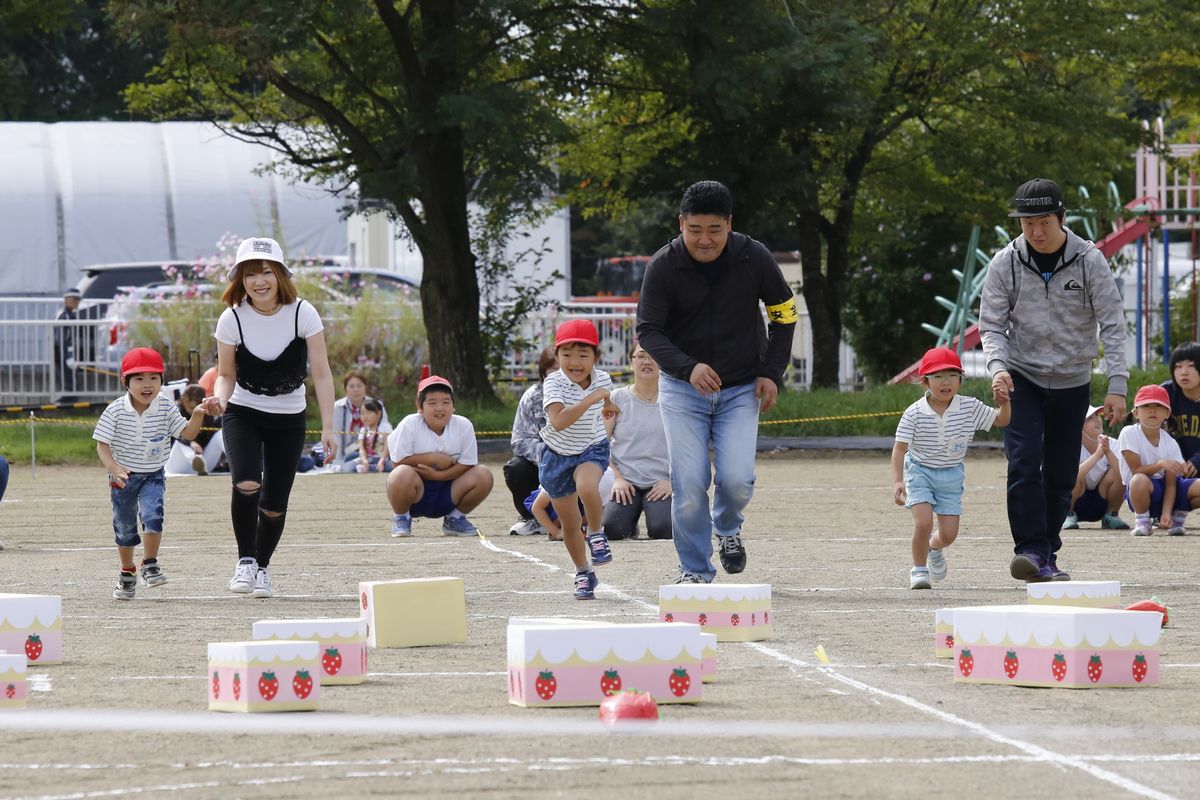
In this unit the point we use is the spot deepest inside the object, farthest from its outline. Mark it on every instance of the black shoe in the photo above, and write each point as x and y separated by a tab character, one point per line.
1056	574
732	552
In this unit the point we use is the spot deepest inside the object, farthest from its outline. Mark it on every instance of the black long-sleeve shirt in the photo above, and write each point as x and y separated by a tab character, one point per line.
686	317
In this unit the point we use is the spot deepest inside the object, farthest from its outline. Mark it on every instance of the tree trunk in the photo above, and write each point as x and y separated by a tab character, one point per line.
823	299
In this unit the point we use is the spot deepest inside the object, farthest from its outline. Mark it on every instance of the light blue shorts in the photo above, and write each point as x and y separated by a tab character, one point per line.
940	487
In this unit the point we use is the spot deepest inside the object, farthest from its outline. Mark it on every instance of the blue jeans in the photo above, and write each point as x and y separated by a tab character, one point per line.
3	476
141	497
728	422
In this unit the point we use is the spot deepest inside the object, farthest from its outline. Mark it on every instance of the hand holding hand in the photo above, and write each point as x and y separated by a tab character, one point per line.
1002	387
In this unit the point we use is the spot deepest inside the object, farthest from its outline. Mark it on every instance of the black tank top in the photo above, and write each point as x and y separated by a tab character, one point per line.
282	375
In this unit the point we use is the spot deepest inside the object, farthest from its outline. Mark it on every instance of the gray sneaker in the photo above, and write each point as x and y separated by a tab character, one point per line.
126	586
688	577
152	574
937	564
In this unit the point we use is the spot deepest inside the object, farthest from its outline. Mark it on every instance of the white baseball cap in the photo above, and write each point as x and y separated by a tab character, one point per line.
258	247
1092	410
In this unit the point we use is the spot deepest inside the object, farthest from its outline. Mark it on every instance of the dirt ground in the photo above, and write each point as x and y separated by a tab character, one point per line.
125	714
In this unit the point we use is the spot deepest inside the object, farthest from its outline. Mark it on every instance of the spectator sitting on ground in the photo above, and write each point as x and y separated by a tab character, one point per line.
347	419
201	455
521	471
372	444
638	462
1098	491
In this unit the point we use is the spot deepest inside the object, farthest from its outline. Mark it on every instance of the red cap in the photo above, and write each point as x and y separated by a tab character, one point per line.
434	380
1150	395
141	359
577	330
938	359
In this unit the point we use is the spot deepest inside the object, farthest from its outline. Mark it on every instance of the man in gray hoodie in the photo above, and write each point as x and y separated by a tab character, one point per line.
1045	296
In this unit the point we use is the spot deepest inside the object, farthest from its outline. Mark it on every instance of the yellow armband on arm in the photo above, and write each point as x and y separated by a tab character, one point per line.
784	313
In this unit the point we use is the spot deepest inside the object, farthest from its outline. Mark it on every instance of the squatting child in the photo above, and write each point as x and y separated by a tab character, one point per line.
437	472
1152	467
1184	391
1098	491
576	452
133	439
927	459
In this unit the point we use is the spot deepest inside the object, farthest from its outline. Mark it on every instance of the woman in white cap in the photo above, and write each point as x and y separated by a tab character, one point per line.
267	341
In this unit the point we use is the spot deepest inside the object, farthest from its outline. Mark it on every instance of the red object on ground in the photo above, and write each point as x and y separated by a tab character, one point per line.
1153	604
628	705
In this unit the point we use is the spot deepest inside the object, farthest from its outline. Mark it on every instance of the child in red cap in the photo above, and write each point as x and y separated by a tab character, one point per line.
576	452
927	459
133	439
1152	467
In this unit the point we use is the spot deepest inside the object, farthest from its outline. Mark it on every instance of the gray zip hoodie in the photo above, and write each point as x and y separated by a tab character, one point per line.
1047	331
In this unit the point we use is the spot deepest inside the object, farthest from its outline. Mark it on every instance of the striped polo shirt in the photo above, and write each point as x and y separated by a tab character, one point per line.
140	442
585	431
940	440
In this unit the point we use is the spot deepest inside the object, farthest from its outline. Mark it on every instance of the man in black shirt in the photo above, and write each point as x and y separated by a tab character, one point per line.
699	316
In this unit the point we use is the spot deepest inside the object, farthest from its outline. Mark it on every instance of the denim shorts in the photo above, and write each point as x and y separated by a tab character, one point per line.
435	501
940	487
557	472
141	497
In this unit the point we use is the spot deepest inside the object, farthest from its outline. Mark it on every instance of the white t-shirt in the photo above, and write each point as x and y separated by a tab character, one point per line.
140	442
414	437
1133	439
940	440
267	337
1096	473
583	432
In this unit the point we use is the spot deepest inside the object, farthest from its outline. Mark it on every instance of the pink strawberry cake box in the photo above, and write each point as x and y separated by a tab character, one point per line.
1056	646
264	676
32	624
708	667
1090	594
735	612
943	633
393	620
14	688
563	664
343	644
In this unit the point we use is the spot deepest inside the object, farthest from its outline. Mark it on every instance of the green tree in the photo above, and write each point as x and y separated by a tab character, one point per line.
813	112
427	105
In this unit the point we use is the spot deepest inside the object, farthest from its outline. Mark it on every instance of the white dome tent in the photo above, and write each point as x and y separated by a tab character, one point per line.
80	193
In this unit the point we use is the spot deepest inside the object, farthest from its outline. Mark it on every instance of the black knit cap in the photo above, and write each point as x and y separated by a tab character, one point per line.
1036	198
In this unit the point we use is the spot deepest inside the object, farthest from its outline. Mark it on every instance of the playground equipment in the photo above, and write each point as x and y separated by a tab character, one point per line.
1167	200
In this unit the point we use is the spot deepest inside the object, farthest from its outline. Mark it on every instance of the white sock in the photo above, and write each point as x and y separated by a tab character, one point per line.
1140	519
455	514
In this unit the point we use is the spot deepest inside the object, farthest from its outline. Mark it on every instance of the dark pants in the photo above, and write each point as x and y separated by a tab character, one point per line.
262	448
1042	443
521	478
620	521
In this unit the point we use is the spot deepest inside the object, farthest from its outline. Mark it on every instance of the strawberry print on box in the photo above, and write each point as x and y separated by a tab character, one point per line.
735	612
264	676
943	633
343	644
14	686
573	663
32	624
1089	594
1056	646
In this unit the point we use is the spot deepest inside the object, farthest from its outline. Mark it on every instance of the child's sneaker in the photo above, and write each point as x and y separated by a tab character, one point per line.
1143	528
458	526
262	583
401	525
1111	522
526	527
937	564
152	574
1177	526
1071	523
598	544
585	585
126	586
242	581
918	578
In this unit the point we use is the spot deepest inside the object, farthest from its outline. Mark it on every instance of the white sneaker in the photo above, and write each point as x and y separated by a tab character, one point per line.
918	578
243	576
526	527
937	564
262	583
1143	529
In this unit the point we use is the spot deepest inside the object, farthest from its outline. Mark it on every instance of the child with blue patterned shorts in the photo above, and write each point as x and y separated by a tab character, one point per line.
133	439
927	459
576	452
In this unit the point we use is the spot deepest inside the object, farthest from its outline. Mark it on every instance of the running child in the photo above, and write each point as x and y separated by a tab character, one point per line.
927	459
1152	467
576	452
133	439
1098	491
